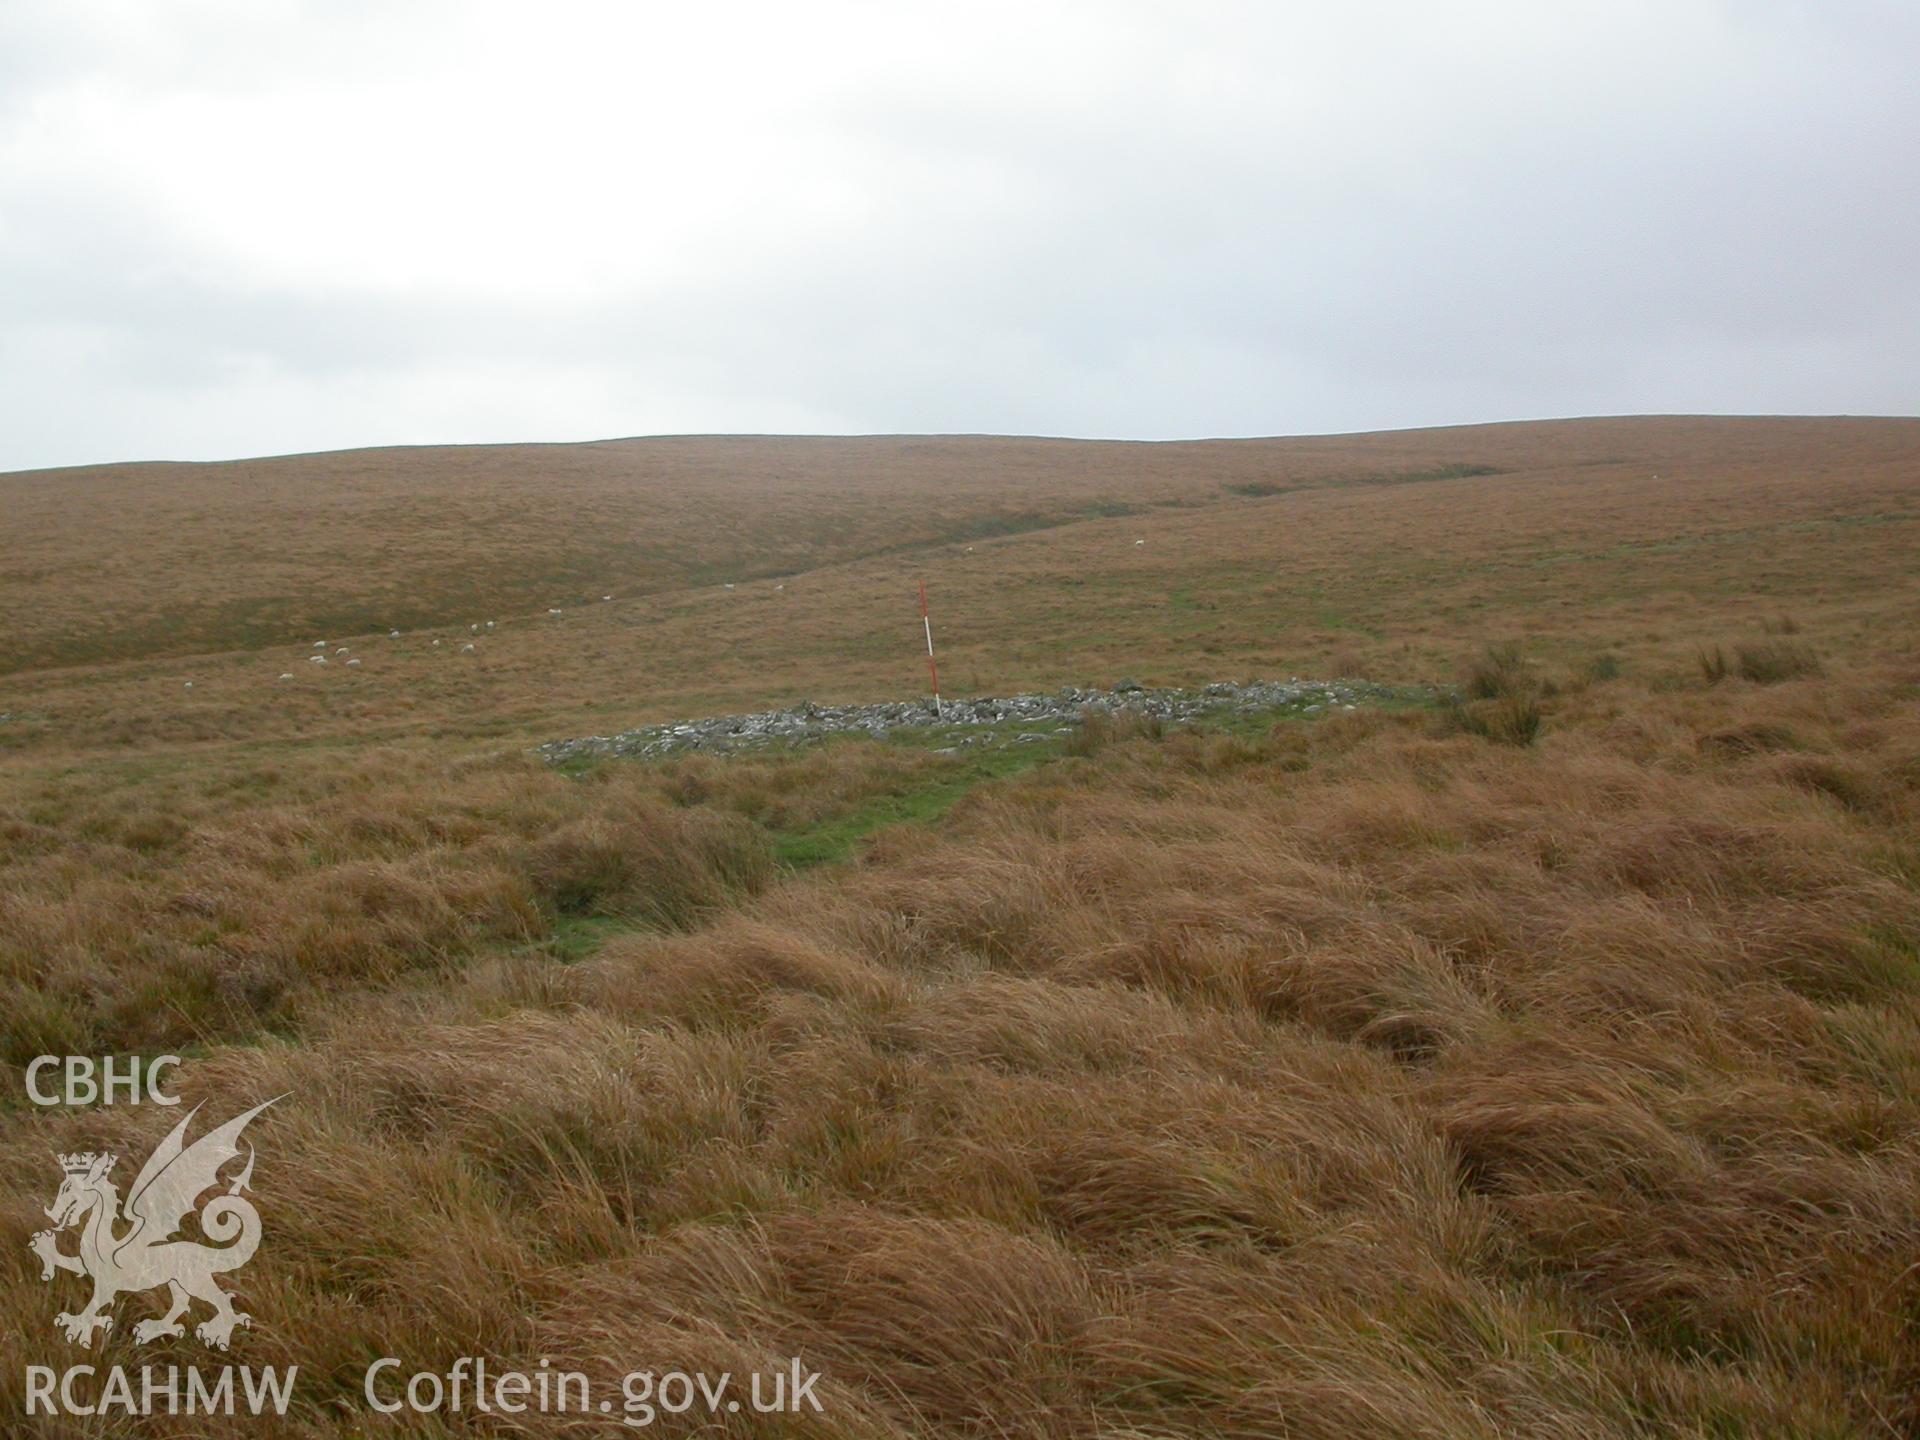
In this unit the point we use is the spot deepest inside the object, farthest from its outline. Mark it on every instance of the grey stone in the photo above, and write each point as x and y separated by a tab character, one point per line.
987	717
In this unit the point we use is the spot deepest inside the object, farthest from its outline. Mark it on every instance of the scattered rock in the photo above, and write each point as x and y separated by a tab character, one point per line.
1020	715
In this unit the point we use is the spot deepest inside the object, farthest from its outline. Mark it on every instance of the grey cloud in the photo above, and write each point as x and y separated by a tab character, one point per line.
1716	214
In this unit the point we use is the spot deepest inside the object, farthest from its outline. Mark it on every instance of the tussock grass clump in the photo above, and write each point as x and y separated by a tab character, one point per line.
1780	660
650	864
1755	737
249	914
1511	720
1500	699
1602	668
1767	663
1499	672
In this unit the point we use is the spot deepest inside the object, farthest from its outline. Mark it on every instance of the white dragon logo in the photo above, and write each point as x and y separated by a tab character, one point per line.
146	1255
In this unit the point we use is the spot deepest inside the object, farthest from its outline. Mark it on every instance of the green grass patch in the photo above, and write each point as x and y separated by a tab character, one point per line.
575	937
836	838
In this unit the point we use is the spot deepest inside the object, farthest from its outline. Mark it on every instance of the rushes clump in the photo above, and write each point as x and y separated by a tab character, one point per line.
1498	672
1500	700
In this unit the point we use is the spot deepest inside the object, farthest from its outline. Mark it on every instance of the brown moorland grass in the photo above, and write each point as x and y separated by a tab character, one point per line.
1359	1075
1344	1076
1624	539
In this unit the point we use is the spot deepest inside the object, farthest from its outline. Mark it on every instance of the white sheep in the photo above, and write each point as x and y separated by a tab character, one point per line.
354	661
393	634
341	651
467	649
436	642
1139	542
606	597
189	684
287	675
729	587
489	624
473	629
316	659
319	644
556	611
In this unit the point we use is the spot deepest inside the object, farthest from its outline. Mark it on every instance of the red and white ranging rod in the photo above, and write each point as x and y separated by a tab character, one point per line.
933	672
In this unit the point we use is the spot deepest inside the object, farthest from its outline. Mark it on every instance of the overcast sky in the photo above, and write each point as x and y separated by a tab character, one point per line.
237	227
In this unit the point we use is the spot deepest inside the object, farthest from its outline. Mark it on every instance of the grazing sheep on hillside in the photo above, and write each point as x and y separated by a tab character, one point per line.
393	634
353	662
316	659
489	624
319	644
467	649
556	611
341	651
288	675
189	684
436	642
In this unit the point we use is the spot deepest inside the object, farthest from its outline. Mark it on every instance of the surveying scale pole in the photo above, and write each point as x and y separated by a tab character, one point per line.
933	672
